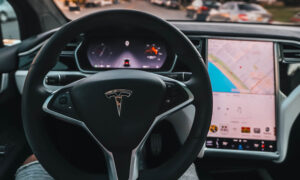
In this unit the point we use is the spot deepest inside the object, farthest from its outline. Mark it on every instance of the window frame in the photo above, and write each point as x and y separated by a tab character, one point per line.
26	18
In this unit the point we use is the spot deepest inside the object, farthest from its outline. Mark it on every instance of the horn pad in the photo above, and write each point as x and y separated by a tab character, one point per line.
119	106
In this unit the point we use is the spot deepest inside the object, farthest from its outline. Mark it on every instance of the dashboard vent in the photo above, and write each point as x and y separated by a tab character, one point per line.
66	60
290	52
197	43
200	44
69	49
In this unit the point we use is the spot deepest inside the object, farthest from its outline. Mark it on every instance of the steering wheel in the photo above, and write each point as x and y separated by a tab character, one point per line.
117	108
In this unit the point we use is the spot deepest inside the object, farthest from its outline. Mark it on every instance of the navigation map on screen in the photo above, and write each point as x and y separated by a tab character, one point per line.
243	82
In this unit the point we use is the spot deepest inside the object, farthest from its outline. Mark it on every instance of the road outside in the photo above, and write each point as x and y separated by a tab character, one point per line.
142	5
279	15
10	29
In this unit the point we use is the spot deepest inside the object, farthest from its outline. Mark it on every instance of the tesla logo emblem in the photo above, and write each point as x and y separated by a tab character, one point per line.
118	94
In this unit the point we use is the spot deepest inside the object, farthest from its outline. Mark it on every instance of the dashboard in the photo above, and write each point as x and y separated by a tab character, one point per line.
250	112
242	74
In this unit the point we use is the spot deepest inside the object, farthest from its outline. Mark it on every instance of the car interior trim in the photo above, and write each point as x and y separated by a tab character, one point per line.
275	40
237	29
108	155
289	111
4	82
32	50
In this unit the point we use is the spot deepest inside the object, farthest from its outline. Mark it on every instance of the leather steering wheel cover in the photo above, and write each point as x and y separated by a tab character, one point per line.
34	93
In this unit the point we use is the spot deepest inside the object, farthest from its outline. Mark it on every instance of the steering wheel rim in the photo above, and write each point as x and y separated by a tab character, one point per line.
35	94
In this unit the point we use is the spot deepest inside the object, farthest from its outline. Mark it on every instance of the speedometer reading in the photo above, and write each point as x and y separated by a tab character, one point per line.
100	52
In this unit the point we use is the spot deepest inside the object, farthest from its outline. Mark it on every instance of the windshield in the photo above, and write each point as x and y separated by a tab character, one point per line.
243	11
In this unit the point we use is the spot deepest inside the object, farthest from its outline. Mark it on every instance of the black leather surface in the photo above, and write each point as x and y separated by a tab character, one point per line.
33	41
137	111
8	59
240	30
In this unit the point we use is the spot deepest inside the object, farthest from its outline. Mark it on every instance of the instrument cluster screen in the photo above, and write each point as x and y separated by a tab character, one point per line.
243	80
133	53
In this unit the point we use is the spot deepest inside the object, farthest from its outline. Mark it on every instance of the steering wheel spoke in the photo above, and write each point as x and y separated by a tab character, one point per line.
126	165
59	105
177	96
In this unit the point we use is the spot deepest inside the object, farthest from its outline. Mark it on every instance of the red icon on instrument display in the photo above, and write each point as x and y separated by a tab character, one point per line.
126	63
152	50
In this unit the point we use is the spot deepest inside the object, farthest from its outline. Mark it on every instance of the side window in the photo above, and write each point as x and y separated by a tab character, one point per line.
225	6
9	24
231	7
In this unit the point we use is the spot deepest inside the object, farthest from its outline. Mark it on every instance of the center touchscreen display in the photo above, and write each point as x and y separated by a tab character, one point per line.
243	80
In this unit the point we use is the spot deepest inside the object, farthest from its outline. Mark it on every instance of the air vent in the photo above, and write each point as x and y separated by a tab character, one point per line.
290	52
197	43
200	44
66	60
69	49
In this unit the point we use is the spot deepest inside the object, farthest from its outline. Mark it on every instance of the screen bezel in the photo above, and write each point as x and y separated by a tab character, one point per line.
276	87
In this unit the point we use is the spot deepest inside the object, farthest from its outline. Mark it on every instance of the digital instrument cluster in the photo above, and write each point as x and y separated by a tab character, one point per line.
127	52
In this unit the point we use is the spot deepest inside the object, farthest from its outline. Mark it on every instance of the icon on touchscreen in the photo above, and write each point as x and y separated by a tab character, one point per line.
256	145
256	130
213	128
224	143
245	129
224	129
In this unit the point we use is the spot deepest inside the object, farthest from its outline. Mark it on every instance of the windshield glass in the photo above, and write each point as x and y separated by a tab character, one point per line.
243	11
